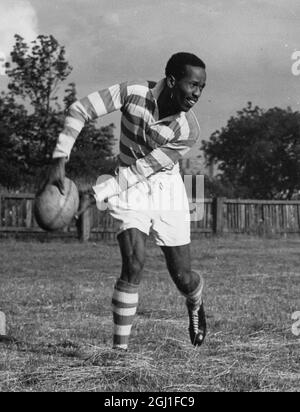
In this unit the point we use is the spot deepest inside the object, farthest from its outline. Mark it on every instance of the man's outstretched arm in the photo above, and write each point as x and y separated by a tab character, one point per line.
92	107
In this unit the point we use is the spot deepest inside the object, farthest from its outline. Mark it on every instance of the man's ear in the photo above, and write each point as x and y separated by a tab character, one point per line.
171	81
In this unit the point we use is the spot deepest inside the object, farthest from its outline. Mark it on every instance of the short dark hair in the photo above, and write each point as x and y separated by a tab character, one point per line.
176	64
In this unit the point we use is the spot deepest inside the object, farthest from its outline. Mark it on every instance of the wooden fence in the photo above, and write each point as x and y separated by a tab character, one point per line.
220	216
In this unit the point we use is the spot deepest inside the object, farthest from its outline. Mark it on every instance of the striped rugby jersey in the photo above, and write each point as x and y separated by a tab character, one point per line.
150	143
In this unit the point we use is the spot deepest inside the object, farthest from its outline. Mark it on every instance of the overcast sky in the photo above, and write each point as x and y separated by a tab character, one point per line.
247	45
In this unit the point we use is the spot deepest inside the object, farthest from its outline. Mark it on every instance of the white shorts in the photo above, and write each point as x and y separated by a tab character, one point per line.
159	205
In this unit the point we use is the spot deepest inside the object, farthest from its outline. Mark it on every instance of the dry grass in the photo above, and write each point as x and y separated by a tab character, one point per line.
57	300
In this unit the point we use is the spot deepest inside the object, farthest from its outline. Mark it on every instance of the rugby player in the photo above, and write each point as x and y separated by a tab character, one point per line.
158	128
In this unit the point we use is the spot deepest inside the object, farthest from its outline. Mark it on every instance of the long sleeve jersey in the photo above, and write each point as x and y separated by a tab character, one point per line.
146	142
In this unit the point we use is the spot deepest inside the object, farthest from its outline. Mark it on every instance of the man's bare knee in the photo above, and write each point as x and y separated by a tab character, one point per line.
187	281
132	243
132	270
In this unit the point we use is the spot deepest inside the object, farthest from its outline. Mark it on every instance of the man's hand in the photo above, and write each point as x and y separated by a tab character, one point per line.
56	174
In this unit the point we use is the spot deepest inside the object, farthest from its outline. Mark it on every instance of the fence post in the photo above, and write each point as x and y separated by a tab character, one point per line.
84	224
218	222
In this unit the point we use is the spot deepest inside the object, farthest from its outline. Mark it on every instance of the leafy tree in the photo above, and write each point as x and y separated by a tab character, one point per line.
38	71
8	167
258	153
12	123
92	154
32	116
218	187
34	78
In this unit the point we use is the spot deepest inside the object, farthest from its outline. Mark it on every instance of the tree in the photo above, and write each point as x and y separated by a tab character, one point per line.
31	112
12	123
9	171
92	153
258	153
35	77
218	187
38	71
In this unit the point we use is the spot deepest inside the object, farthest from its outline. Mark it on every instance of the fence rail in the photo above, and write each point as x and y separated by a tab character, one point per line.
221	216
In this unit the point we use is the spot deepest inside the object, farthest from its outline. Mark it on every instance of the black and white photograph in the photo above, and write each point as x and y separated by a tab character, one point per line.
149	199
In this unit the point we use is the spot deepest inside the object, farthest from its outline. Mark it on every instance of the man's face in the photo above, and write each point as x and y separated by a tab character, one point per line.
188	89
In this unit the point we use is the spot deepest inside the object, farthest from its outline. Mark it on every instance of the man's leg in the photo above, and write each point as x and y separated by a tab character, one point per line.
190	284
125	298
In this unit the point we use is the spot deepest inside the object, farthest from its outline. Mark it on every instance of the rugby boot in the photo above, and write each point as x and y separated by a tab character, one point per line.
197	327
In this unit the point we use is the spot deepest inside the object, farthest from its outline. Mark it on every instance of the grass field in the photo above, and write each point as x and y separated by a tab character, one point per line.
57	300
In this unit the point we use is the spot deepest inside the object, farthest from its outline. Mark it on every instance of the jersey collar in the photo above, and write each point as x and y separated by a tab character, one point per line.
158	88
156	91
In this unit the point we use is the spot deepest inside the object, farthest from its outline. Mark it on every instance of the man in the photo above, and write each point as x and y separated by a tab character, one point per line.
158	128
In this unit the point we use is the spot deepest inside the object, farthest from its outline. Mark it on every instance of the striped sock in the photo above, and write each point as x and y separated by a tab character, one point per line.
194	299
124	303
